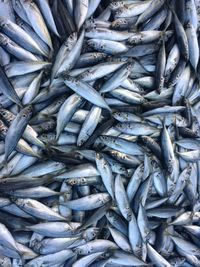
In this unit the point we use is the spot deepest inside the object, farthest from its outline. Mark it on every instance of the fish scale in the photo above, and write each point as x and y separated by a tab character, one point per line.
100	137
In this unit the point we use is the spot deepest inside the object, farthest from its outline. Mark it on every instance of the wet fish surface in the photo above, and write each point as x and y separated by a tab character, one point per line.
99	133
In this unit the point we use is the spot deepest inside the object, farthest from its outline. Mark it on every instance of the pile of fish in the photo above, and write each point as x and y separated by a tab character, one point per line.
100	133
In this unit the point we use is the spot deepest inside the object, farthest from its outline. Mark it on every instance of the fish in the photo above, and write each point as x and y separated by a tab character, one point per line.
81	10
106	173
38	209
100	137
86	91
16	50
88	202
16	129
48	16
107	46
20	36
66	111
64	50
7	88
51	258
122	199
36	20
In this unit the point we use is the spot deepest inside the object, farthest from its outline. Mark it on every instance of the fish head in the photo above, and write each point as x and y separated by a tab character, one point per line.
90	23
92	43
19	21
72	181
48	137
99	156
67	194
118	23
180	121
27	2
36	245
72	37
3	128
135	38
6	115
28	109
65	76
96	55
60	101
111	215
70	40
119	126
144	139
80	142
48	125
128	213
3	39
120	11
105	198
85	74
90	233
5	261
129	65
3	22
20	202
79	250
59	164
154	163
83	181
116	5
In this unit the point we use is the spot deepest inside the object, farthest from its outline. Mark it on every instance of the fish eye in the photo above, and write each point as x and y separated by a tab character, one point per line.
3	24
78	251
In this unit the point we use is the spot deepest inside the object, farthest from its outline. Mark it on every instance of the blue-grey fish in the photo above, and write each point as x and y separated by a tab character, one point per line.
106	173
55	258
38	209
81	10
16	130
181	37
7	10
89	125
16	50
101	164
98	245
20	36
20	68
46	11
71	58
64	50
66	111
36	20
150	11
86	91
7	88
88	202
122	199
132	10
107	46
